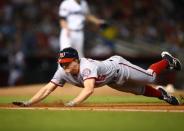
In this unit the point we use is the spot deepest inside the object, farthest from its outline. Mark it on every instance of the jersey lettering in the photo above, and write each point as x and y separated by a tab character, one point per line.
101	78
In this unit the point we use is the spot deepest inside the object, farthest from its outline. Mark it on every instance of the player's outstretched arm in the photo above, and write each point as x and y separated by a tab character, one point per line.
94	19
88	89
40	95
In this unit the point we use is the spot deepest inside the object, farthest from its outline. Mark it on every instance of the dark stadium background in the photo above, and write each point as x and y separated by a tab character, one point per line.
137	30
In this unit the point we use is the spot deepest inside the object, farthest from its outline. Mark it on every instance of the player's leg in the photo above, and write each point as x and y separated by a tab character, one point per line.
64	40
131	72
167	62
137	89
128	87
167	97
160	93
135	73
78	42
147	91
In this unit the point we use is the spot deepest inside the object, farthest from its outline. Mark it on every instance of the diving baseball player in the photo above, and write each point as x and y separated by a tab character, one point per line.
73	14
115	72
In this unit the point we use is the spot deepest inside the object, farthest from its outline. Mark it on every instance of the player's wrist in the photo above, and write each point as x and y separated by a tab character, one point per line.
27	103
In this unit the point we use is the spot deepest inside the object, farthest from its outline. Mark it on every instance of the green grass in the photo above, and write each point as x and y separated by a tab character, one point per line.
45	120
92	99
48	120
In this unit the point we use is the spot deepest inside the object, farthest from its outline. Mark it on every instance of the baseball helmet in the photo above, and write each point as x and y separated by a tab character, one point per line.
67	55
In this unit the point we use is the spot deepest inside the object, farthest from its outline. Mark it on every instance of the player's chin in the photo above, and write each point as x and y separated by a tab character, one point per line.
74	72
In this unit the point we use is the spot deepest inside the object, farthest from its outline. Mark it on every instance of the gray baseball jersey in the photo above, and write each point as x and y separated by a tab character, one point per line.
115	70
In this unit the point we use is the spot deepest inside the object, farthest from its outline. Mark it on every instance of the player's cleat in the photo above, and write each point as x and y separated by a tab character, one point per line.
174	63
168	98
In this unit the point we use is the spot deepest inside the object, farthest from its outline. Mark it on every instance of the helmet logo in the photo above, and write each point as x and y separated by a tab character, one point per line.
62	55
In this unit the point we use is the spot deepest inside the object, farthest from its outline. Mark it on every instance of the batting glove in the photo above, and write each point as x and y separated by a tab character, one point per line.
104	25
70	104
21	104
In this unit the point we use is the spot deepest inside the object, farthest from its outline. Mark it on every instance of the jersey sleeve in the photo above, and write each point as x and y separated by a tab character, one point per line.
58	78
89	72
63	10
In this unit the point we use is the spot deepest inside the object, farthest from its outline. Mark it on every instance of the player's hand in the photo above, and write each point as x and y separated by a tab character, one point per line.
21	103
102	21
70	104
104	24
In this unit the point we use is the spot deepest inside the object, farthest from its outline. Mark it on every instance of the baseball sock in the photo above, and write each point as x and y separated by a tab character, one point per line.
152	92
159	66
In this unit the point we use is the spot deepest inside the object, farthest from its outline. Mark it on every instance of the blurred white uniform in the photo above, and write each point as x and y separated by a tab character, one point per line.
74	14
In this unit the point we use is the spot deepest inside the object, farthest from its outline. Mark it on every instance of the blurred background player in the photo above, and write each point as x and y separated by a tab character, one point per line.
73	14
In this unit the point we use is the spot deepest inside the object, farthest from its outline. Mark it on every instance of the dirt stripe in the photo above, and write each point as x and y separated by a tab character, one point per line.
91	109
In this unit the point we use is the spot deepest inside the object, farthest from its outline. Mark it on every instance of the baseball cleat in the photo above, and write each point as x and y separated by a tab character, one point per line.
174	63
168	98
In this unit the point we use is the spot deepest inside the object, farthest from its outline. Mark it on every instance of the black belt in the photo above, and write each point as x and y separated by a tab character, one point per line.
116	75
77	30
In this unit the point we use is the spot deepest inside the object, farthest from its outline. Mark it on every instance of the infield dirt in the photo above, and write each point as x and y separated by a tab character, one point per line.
70	90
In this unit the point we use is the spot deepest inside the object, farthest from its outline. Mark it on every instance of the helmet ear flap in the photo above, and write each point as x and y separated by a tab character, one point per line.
59	62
